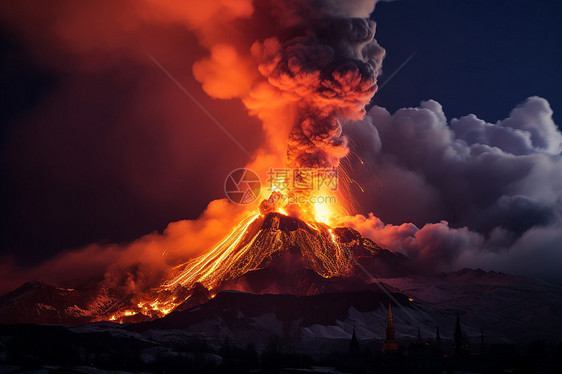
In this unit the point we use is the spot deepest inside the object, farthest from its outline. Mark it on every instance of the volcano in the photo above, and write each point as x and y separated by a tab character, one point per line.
285	255
270	241
265	254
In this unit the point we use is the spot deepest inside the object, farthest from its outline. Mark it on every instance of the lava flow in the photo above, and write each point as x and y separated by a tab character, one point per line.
248	247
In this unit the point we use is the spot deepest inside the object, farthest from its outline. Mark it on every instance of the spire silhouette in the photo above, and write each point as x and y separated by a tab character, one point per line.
458	346
354	343
390	342
482	345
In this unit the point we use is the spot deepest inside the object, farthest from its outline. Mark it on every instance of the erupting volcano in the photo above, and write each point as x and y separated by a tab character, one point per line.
322	67
257	243
303	68
266	253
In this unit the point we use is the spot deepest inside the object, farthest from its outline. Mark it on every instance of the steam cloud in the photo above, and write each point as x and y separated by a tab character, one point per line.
495	189
134	267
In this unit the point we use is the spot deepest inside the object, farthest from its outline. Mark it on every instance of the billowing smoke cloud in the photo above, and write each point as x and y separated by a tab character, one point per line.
329	74
104	148
492	187
133	267
301	66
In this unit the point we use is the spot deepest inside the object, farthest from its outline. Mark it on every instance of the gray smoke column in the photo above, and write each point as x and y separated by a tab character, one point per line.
329	70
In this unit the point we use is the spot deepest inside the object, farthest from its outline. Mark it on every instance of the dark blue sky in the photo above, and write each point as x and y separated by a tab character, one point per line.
473	56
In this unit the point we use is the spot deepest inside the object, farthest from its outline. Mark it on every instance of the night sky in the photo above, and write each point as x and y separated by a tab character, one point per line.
481	57
72	125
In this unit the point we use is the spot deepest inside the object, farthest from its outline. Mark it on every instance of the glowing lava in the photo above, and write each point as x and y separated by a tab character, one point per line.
248	247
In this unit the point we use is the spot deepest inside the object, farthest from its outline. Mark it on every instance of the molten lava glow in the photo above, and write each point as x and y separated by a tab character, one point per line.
244	249
323	213
332	235
152	309
326	211
204	268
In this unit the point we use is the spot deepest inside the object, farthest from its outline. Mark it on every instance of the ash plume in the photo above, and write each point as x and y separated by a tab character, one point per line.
330	74
301	66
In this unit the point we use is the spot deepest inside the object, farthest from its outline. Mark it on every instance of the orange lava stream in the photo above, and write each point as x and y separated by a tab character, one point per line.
203	269
244	249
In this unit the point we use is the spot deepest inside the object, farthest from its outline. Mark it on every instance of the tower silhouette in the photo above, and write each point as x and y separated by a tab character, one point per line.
419	340
354	344
390	342
458	346
437	349
482	345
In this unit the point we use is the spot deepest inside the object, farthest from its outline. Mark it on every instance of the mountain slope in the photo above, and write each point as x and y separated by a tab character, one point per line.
513	307
37	302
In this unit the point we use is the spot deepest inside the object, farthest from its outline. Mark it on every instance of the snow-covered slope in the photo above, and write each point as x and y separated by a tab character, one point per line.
502	305
504	308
